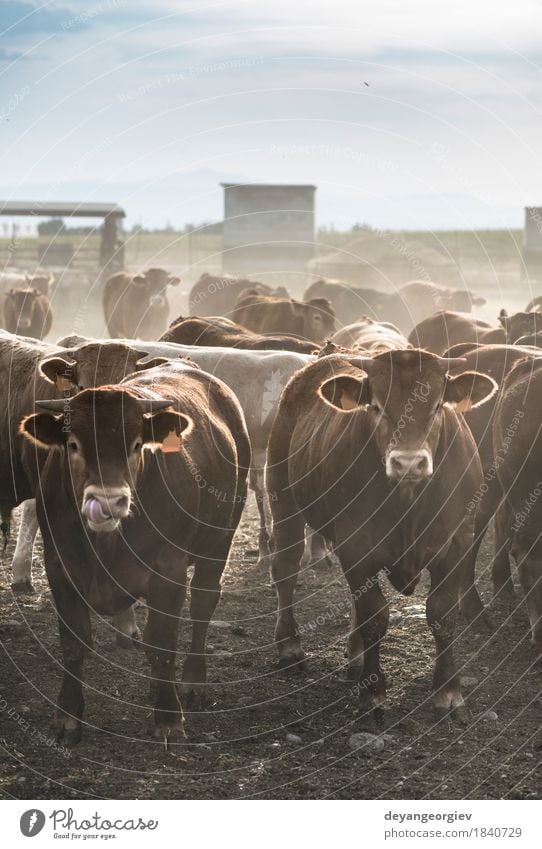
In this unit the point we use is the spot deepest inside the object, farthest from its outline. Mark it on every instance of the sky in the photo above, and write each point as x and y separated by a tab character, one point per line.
418	115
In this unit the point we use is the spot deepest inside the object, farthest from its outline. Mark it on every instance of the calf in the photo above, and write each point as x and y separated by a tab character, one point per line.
137	304
217	332
27	312
371	453
123	513
313	320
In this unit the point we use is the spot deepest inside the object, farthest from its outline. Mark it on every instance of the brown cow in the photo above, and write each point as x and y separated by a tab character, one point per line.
35	371
410	304
212	295
27	313
313	320
517	423
440	331
371	453
496	361
218	332
520	324
145	478
369	335
136	305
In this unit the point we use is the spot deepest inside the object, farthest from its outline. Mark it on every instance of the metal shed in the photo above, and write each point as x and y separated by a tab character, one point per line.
268	228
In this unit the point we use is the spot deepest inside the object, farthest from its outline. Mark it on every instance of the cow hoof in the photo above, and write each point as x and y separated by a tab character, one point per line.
170	734
194	694
129	642
69	731
442	715
476	616
461	715
23	587
293	662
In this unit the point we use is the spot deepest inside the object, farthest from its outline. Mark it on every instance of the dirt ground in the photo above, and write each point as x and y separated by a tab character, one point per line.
238	747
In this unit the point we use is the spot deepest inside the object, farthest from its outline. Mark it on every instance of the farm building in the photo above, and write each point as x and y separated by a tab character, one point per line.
268	229
380	258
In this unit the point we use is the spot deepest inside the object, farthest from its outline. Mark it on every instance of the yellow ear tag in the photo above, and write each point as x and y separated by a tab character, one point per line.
172	443
63	384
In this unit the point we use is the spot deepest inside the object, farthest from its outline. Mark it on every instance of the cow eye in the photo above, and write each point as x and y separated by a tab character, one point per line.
73	446
376	408
137	446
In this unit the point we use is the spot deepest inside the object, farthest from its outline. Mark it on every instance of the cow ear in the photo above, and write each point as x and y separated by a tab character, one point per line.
60	371
478	301
159	426
503	316
43	429
174	281
144	364
345	392
139	280
469	390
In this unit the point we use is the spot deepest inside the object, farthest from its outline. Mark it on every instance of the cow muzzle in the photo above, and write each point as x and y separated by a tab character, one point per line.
105	508
157	301
24	323
409	466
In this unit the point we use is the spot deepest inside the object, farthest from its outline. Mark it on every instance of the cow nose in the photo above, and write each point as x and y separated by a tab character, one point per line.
409	465
157	301
101	506
24	323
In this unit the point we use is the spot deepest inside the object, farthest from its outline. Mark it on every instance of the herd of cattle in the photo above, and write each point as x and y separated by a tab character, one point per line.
388	429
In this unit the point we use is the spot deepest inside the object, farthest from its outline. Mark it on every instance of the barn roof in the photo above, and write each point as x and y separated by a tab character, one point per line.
60	210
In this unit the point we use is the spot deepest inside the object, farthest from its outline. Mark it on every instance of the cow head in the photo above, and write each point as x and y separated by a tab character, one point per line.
41	282
23	304
153	284
520	324
461	300
93	364
404	393
102	433
318	319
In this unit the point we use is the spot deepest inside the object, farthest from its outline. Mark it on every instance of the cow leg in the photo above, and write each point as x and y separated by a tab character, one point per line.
76	641
257	486
470	604
165	597
370	615
127	633
503	585
22	559
530	573
288	544
441	610
205	589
